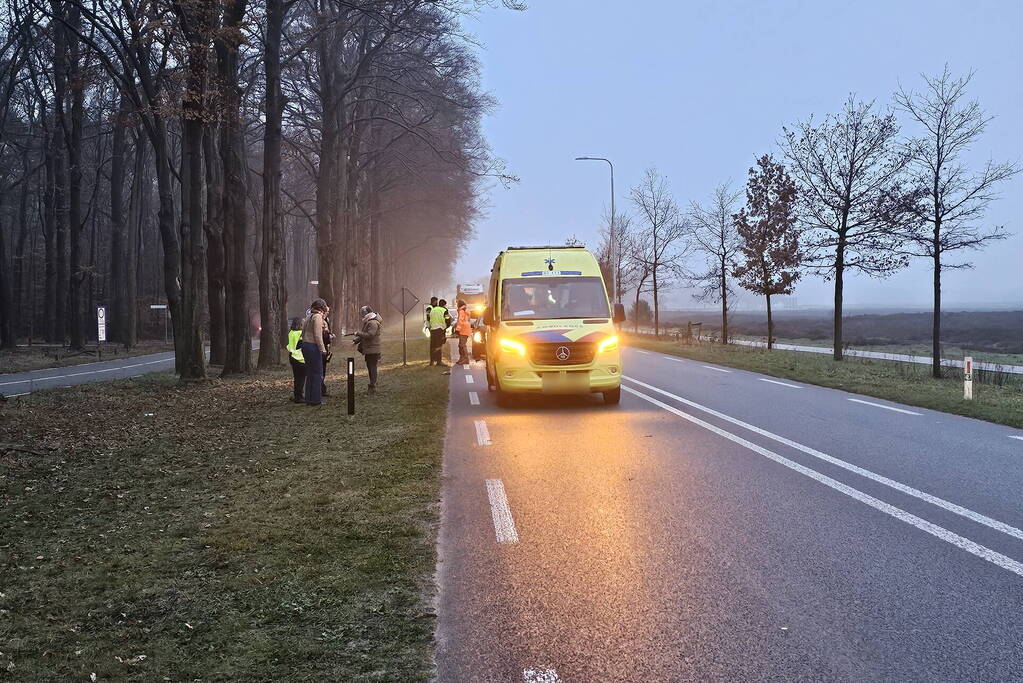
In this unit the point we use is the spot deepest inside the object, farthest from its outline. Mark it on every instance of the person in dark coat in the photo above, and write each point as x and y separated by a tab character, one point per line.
367	340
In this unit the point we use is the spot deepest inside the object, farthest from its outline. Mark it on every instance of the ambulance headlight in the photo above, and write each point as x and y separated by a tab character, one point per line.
609	344
512	346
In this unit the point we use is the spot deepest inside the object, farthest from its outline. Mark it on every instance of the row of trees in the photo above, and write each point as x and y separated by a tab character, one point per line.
849	195
230	159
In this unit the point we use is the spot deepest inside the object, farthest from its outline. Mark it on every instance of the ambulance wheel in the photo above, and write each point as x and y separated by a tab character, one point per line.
613	397
490	380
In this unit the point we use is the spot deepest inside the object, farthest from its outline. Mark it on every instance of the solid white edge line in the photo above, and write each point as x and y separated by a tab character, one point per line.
1016	437
879	478
469	379
711	367
941	533
500	512
482	433
474	398
16	395
540	676
879	405
774	381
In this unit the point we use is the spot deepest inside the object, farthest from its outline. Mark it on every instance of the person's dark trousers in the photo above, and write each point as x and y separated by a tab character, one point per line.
463	349
372	360
298	370
313	373
436	347
323	390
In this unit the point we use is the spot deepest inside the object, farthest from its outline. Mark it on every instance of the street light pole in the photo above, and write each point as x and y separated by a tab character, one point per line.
614	242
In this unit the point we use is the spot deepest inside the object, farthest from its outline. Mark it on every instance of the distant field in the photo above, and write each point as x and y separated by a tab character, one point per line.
995	336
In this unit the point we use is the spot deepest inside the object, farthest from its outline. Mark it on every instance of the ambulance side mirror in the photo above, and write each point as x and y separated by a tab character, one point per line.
619	313
488	316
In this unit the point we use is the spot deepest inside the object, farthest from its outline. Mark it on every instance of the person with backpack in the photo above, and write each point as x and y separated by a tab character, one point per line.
296	359
367	342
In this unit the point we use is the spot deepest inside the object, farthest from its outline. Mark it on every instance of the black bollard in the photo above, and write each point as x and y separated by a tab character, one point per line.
351	386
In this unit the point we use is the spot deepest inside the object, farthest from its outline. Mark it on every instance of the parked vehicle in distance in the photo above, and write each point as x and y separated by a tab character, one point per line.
474	296
550	326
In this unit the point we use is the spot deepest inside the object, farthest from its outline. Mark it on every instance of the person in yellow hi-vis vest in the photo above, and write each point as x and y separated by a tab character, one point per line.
296	359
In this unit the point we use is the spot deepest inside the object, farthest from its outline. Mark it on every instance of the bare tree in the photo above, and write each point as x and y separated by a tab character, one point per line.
664	242
767	234
615	257
951	211
851	173
715	236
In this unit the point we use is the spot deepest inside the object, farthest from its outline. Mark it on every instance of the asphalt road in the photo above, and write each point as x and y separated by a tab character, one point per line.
723	525
17	383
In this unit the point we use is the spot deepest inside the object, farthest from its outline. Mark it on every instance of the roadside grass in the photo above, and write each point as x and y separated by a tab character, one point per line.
216	531
901	382
25	358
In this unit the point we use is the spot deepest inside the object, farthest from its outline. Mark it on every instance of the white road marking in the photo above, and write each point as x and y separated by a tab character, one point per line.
540	676
878	405
22	394
711	367
774	381
504	525
20	381
879	478
645	353
162	361
474	398
1016	437
942	533
482	433
469	379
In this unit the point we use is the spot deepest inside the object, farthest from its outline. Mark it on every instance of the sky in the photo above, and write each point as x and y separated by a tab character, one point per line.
699	89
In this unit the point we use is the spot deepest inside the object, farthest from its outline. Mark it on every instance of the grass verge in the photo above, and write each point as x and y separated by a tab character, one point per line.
901	382
156	531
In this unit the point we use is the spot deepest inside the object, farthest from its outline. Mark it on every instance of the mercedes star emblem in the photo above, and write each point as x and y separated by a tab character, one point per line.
562	353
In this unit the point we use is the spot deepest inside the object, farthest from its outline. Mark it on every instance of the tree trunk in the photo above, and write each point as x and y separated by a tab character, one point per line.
326	180
724	302
50	244
272	296
215	258
237	358
193	262
118	244
657	311
770	325
20	297
7	339
60	175
76	272
936	316
839	283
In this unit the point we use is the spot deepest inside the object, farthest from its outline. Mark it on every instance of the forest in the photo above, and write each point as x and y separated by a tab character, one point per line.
228	160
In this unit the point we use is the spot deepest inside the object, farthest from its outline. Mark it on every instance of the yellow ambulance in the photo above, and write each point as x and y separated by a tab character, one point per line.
549	326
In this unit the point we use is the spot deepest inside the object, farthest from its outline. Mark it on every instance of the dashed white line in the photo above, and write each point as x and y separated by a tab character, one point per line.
1016	437
500	512
469	379
540	676
881	479
474	398
774	381
711	367
482	433
879	405
942	533
645	353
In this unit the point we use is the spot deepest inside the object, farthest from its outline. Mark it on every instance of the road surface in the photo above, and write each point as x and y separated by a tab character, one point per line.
724	525
18	383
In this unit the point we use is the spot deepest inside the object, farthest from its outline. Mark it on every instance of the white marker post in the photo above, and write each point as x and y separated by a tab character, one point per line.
101	329
968	378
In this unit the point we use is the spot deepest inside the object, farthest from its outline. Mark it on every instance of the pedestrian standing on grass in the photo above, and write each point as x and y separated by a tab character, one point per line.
440	320
463	328
367	341
296	359
314	350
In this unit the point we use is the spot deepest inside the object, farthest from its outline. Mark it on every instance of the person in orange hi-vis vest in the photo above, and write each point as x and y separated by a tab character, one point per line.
463	328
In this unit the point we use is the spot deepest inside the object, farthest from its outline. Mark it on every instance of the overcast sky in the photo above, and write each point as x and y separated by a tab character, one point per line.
698	89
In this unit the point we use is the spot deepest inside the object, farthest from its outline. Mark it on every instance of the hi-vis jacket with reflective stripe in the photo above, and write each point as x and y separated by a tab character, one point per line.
437	318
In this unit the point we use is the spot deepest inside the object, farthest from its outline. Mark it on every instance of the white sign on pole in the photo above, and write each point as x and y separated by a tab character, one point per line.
101	323
158	307
968	378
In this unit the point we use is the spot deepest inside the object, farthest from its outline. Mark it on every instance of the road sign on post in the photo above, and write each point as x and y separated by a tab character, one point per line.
968	378
404	301
101	324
